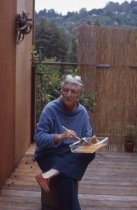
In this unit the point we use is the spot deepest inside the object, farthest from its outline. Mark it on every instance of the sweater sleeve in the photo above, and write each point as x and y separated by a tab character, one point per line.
44	136
87	127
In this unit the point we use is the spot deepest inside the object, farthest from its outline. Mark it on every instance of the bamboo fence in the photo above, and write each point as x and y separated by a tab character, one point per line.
107	60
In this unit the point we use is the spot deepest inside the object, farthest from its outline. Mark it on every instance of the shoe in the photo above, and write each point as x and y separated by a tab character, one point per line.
43	182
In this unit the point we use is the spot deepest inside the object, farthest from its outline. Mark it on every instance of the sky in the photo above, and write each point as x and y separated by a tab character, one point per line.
64	6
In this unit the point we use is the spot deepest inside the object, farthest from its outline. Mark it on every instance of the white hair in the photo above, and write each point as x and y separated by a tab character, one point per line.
72	80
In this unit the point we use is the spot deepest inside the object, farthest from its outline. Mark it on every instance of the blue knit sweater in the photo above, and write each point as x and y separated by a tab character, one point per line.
52	118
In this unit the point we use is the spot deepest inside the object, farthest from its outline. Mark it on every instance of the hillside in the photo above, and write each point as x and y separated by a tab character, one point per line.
113	14
56	34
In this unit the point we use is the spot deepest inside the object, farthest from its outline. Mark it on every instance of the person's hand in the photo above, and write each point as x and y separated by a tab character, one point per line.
70	134
67	134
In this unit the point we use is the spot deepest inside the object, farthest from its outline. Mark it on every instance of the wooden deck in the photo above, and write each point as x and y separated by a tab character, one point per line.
110	183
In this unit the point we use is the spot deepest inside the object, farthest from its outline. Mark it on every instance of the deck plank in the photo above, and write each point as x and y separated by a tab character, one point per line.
110	183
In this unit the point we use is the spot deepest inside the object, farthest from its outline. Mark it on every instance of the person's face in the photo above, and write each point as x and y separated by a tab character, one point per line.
69	95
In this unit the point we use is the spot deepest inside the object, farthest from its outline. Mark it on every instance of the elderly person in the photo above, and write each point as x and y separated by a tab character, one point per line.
53	153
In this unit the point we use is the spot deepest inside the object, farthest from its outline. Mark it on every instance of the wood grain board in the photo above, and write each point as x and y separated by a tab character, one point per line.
110	183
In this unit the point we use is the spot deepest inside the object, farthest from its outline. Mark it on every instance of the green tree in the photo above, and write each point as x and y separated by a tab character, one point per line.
73	50
50	40
47	85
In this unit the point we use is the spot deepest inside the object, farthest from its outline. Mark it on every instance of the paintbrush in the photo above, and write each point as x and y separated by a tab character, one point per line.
79	139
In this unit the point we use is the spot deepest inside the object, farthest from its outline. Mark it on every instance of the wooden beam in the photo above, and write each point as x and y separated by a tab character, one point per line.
56	63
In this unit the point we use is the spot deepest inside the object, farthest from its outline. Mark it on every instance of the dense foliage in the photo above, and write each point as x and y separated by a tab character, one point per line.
47	85
51	41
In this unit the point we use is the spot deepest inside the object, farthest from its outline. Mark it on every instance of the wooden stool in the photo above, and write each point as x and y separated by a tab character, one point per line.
50	201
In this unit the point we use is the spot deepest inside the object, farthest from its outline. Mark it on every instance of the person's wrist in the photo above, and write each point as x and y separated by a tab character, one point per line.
58	138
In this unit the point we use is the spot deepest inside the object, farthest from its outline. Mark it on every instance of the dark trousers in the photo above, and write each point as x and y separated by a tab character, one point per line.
71	167
67	190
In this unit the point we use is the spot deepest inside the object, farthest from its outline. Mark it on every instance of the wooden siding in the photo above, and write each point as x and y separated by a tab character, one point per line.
7	87
116	86
15	87
110	182
23	86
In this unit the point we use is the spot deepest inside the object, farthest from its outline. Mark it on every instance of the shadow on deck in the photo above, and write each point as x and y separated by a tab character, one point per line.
110	183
